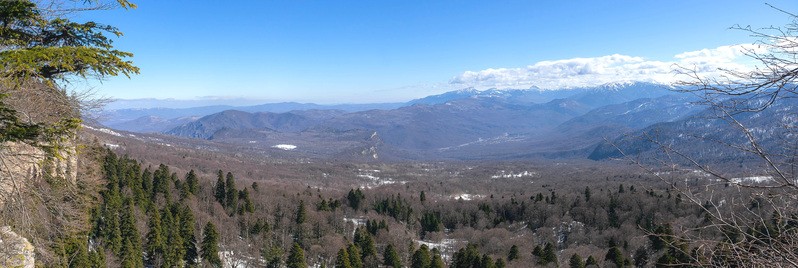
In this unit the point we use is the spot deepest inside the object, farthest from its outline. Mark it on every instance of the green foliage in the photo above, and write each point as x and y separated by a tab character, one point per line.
437	260
342	259
355	198
155	240
43	49
576	261
192	182
221	192
396	207
591	261
513	255
354	256
547	255
296	257
390	257
231	197
210	245
365	243
430	222
421	258
301	213
615	256
467	257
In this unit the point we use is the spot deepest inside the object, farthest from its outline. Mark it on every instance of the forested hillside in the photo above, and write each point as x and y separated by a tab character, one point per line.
156	217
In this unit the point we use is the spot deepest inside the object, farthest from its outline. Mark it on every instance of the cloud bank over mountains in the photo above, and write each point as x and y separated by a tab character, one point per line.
587	72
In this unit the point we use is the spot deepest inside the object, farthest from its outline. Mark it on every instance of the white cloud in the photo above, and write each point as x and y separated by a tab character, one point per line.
584	72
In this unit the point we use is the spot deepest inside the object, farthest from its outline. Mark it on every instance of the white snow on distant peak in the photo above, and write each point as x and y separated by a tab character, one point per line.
287	147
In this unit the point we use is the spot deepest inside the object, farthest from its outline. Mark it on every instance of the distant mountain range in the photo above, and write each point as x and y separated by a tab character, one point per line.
464	124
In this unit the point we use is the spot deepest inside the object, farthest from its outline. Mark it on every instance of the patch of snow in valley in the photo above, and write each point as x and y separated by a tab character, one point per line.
467	197
111	145
753	179
507	175
287	147
374	181
445	246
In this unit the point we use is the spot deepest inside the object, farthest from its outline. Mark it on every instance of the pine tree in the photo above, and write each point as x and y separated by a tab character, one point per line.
437	260
549	255
210	245
174	255
615	256
192	183
500	263
421	258
513	255
221	191
187	232
587	193
155	240
591	261
576	261
354	256
342	259
232	193
296	257
391	258
131	249
301	213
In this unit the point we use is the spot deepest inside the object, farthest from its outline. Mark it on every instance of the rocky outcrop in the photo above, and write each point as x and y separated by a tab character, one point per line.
15	250
20	162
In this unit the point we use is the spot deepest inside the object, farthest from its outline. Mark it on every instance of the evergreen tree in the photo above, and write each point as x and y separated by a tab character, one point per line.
354	256
615	256
576	261
355	197
591	261
342	259
487	262
192	183
187	232
221	191
246	201
513	255
421	258
500	263
174	255
437	260
422	196
155	240
391	258
131	250
365	243
210	245
548	255
232	193
587	193
301	213
296	257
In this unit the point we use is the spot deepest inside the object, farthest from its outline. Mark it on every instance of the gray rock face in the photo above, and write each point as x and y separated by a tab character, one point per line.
15	250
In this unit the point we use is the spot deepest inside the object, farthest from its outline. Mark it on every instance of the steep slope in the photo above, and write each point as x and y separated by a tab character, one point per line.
710	136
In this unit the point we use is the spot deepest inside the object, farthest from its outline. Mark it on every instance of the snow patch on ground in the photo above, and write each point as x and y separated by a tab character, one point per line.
287	147
753	179
445	246
111	145
373	181
104	130
507	175
467	197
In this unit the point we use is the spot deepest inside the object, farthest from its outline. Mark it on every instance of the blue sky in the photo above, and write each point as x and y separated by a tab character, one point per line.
385	51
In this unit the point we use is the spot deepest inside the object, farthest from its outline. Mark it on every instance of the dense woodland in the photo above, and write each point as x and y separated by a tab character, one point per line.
154	216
